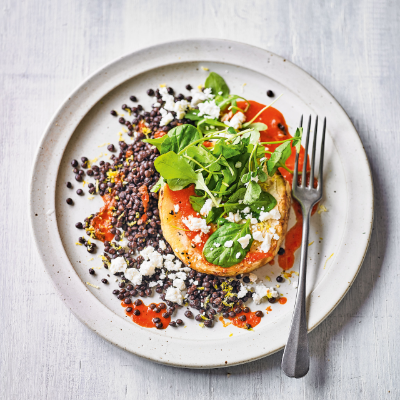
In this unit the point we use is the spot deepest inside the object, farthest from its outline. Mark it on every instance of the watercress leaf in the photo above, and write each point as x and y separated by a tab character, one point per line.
158	185
178	184
233	207
226	150
200	184
172	166
262	176
156	142
280	155
260	152
180	137
252	136
204	157
222	221
217	84
214	214
238	195
265	200
296	142
192	115
197	202
259	126
246	177
252	193
227	256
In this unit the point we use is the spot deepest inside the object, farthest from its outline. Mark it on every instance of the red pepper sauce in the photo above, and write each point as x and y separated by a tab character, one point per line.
181	198
272	118
102	221
145	201
282	300
251	319
145	319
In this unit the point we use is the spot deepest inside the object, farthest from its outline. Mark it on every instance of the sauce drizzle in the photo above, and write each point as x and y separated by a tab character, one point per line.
145	319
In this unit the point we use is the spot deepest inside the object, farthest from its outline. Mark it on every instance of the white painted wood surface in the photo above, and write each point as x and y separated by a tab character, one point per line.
49	47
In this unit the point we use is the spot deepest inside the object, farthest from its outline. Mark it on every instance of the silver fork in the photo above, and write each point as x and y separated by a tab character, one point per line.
296	359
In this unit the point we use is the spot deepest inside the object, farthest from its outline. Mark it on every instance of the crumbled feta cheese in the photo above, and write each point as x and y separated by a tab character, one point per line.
253	277
179	283
162	275
197	239
169	257
152	284
220	93
238	164
244	241
266	244
147	268
237	120
206	208
134	276
171	276
209	109
217	244
176	208
178	265
243	291
234	217
146	252
260	292
117	265
198	96
174	294
181	275
238	255
275	237
196	224
247	210
162	245
167	117
180	108
273	292
156	104
253	221
272	230
258	236
196	283
228	243
273	214
254	178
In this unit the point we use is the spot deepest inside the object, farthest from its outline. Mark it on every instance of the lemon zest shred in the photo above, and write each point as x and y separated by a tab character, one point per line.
328	259
94	286
322	209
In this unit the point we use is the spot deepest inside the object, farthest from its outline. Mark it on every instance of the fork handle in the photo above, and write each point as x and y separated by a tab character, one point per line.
296	358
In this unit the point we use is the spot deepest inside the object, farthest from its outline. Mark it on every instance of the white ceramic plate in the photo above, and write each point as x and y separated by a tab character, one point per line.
83	123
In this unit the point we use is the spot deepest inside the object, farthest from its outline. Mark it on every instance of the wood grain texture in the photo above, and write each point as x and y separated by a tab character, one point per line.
49	47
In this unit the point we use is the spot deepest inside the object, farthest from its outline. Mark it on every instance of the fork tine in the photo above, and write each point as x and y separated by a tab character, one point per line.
321	159
296	164
313	154
304	176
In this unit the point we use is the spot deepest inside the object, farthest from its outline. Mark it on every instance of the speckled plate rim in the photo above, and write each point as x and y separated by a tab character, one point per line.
189	353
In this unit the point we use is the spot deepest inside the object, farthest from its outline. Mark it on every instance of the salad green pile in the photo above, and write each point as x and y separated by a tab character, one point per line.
228	173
